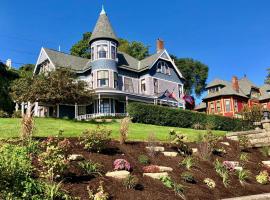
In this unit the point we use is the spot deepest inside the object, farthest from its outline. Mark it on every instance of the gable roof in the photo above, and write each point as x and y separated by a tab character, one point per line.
103	28
60	59
217	82
264	92
245	84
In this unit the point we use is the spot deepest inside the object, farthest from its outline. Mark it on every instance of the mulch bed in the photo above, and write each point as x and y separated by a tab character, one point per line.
76	184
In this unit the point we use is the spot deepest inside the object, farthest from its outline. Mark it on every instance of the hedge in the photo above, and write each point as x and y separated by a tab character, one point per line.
166	116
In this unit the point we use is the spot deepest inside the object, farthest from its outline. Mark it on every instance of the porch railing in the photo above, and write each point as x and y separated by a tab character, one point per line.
97	115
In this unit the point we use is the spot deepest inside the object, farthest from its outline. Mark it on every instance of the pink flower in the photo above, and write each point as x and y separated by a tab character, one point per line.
121	164
229	165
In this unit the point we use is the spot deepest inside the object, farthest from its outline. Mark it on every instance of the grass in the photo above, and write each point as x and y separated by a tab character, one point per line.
10	127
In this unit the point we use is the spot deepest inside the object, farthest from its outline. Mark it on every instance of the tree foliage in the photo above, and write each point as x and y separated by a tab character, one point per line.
267	80
135	49
194	72
56	87
26	70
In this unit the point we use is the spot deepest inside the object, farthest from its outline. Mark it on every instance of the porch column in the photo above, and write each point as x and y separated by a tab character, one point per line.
36	109
17	107
57	111
126	105
76	110
99	108
22	105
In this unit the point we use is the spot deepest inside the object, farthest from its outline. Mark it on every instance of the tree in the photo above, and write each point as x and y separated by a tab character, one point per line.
26	70
194	72
56	87
135	49
267	80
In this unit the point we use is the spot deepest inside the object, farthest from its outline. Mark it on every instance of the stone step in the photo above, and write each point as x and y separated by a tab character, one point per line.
156	148
245	132
156	175
170	153
260	140
118	174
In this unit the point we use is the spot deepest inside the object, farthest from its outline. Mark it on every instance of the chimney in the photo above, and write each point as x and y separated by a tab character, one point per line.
9	63
160	45
235	83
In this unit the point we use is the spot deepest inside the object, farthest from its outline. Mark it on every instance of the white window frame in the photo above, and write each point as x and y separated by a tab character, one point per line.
108	82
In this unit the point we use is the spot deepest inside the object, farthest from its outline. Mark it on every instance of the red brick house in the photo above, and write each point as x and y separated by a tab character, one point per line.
228	98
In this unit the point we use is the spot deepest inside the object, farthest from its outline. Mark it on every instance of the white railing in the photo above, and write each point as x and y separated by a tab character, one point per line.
97	115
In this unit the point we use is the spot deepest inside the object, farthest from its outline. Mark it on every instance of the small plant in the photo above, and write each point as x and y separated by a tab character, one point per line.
178	141
230	166
151	169
222	172
188	162
130	182
143	159
243	142
263	177
179	190
167	181
121	164
124	126
188	177
243	175
90	168
100	195
210	182
244	157
96	139
211	140
265	151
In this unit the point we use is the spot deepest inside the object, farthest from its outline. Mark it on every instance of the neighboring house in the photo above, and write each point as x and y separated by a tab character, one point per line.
116	77
228	98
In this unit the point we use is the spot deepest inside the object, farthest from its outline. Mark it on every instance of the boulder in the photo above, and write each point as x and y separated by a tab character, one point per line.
170	153
156	175
165	169
118	174
75	157
225	143
155	148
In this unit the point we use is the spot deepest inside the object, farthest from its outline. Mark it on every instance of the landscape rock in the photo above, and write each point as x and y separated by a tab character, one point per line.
156	175
170	153
156	148
118	174
238	168
165	169
194	150
75	157
225	143
267	163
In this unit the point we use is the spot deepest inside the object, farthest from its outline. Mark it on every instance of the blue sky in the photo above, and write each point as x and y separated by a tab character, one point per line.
231	36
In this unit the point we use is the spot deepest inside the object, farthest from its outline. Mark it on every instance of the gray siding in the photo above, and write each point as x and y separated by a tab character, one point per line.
104	64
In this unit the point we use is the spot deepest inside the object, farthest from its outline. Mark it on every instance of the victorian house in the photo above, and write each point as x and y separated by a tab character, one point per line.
115	77
228	98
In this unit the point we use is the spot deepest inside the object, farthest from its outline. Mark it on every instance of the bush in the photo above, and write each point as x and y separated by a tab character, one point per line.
143	159
124	125
121	164
3	114
188	162
130	182
167	181
263	177
17	114
164	116
178	141
96	139
90	168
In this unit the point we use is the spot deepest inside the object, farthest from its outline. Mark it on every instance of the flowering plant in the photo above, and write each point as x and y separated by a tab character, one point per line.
151	169
263	177
209	182
230	166
121	164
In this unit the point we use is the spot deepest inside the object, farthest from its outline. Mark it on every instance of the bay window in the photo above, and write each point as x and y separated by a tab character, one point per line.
103	78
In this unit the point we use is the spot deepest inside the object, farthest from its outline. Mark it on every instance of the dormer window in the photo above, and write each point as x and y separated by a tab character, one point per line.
213	90
102	50
162	67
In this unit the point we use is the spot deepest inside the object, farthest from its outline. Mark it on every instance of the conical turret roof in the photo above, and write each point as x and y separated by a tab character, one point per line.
103	28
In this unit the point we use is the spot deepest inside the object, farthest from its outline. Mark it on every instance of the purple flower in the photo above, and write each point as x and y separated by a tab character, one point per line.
229	165
121	164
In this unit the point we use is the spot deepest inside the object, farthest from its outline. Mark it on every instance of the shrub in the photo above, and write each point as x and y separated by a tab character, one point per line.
178	141
3	114
198	126
151	169
100	195
265	151
121	164
262	177
243	175
91	168
243	142
204	151
188	162
188	177
124	125
96	139
17	114
130	182
143	159
165	116
252	114
167	181
27	126
210	182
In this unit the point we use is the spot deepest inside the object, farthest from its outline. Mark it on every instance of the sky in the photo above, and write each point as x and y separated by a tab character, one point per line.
231	36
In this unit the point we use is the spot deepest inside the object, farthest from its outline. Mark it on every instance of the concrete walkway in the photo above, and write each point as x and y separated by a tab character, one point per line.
265	196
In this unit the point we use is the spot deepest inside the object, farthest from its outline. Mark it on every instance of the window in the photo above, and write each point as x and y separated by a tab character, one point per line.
155	86
104	106
103	78
163	67
212	107
92	53
228	105
102	50
113	52
235	105
218	107
128	86
213	90
115	78
143	86
180	90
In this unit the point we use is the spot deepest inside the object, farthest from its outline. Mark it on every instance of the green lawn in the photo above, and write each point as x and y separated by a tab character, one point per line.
48	127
